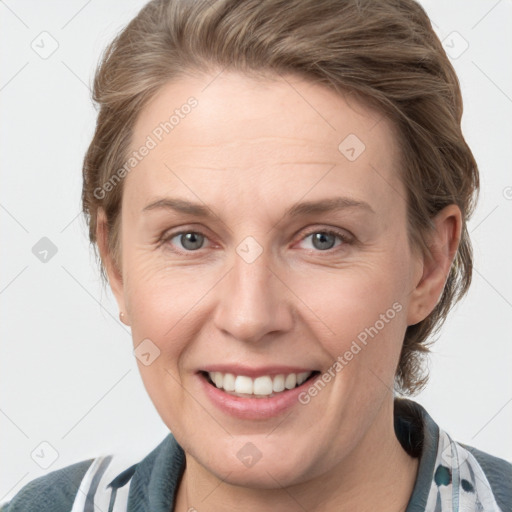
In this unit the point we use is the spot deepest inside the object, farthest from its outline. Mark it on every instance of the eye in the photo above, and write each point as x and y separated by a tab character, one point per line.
322	240
325	239
190	240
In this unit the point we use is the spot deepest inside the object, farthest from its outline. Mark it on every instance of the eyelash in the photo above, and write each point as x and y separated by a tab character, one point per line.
345	239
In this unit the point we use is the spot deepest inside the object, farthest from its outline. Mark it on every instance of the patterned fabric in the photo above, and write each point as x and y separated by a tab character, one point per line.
451	477
104	487
459	483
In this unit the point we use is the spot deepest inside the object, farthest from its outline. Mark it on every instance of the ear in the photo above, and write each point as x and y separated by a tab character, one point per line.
114	274
435	267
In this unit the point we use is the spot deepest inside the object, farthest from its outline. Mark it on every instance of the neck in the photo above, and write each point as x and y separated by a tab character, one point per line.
377	475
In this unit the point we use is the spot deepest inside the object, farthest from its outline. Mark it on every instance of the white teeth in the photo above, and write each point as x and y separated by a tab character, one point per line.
264	385
229	382
290	381
218	379
301	377
243	384
278	384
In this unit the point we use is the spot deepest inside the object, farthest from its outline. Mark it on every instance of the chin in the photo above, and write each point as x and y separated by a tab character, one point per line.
239	462
262	475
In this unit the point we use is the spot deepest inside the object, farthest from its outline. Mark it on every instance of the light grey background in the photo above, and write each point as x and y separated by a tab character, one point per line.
68	376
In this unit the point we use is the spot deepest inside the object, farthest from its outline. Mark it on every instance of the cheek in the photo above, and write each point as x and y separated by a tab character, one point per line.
360	313
164	301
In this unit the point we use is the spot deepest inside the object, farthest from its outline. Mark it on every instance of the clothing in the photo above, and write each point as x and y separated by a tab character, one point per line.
451	477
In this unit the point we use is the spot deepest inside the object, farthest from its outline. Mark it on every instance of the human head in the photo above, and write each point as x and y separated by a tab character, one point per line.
228	150
381	54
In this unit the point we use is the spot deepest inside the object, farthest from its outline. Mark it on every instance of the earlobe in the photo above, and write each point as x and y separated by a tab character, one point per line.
123	318
443	244
113	272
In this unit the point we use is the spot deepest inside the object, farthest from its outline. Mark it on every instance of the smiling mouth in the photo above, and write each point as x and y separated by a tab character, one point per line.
265	386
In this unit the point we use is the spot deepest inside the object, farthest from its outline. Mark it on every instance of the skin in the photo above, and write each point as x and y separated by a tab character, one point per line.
250	150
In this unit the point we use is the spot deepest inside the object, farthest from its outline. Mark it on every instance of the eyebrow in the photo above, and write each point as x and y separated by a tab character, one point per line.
296	210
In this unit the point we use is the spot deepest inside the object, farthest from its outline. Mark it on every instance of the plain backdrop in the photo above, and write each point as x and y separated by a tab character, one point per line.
70	388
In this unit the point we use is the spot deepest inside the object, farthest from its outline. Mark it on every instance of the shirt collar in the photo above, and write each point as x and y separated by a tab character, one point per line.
156	478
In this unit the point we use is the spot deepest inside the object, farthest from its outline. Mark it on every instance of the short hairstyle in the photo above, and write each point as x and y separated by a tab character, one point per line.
381	52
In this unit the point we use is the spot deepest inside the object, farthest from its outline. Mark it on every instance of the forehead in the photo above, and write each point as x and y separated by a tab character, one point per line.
263	135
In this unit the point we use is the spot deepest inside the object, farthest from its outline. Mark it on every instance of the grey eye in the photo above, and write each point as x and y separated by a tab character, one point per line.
191	241
324	240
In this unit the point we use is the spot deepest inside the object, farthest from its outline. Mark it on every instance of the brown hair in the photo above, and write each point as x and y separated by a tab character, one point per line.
384	52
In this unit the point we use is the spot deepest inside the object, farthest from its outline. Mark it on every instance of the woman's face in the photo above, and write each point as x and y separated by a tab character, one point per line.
231	263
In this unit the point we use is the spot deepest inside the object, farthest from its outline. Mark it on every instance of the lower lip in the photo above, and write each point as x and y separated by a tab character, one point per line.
253	408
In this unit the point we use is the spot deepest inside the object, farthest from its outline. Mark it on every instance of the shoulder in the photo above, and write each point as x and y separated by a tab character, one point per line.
450	470
54	492
101	481
498	472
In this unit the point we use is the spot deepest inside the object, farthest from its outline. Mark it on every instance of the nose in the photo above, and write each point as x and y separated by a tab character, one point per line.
253	302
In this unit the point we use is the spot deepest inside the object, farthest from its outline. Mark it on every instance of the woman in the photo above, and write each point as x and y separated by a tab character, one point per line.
279	192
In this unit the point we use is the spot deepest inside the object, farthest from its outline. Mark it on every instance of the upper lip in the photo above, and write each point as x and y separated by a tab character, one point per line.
237	369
